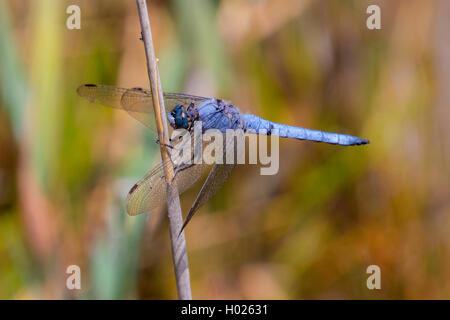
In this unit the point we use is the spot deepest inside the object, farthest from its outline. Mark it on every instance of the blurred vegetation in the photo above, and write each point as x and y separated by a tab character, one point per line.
308	232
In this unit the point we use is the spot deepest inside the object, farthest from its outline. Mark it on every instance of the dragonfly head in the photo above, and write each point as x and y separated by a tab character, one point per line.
179	118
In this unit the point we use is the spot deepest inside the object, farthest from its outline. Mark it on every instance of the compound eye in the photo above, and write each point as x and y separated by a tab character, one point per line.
176	109
180	116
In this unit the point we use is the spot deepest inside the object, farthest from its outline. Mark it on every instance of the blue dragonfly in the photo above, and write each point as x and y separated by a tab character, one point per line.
183	111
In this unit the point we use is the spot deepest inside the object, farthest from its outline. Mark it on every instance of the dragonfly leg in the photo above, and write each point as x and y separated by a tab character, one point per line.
170	157
164	144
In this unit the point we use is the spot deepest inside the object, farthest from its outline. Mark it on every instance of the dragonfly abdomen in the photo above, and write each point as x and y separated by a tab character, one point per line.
257	124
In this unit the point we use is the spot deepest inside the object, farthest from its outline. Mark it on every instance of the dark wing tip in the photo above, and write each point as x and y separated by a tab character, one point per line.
82	93
84	86
132	189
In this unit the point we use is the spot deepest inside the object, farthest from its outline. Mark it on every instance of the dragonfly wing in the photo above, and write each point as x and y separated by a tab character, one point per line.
137	102
112	96
172	99
216	178
148	193
106	95
151	191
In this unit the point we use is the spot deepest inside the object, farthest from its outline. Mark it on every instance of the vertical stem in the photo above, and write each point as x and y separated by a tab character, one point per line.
179	255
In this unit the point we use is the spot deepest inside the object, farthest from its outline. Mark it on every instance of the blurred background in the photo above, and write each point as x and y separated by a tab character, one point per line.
308	232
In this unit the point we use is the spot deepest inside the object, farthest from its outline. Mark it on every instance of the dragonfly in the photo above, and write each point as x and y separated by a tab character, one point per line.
183	112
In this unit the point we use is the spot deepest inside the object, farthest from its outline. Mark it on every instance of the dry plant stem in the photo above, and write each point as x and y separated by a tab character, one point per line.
179	255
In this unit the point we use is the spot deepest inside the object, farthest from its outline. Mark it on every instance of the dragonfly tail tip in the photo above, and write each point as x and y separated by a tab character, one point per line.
365	141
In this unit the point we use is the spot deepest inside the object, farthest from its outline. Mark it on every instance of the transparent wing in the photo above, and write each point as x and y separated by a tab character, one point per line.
136	101
216	178
139	104
150	192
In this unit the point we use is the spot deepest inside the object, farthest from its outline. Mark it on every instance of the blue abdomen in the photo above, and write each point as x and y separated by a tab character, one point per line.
252	122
